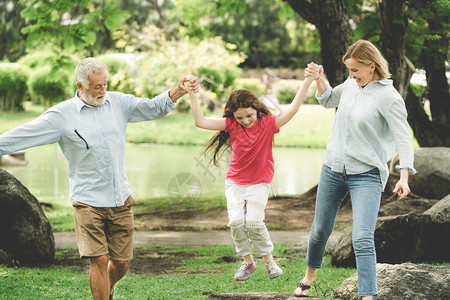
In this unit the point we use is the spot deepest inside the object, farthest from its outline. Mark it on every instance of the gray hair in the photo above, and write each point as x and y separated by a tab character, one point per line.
86	67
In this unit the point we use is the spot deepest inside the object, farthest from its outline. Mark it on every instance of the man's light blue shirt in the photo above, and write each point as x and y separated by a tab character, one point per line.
370	124
93	141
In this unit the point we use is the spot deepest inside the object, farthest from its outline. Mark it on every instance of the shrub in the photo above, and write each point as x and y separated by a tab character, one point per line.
216	66
13	87
285	91
118	71
50	89
52	76
253	84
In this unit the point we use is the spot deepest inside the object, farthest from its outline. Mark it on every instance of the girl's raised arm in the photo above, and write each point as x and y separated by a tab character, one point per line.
200	120
287	114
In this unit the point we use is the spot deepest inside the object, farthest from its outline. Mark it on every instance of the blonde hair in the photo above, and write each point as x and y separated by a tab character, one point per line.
366	53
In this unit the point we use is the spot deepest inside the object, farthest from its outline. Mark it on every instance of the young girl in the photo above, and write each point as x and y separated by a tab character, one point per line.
248	128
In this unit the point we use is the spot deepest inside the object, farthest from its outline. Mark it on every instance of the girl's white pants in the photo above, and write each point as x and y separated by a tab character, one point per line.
246	205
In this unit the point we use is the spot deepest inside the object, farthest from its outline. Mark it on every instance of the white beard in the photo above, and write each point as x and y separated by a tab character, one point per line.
94	101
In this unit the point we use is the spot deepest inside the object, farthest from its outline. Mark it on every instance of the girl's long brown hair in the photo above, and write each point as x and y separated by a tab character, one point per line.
241	98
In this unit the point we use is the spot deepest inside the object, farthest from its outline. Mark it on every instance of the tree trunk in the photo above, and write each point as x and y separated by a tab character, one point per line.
393	30
434	61
332	21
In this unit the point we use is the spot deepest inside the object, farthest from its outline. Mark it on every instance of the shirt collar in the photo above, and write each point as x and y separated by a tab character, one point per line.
80	104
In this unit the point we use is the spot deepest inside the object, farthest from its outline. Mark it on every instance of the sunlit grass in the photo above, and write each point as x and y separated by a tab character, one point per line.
203	271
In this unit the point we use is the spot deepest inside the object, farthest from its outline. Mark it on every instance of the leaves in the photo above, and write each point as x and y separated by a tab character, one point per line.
72	24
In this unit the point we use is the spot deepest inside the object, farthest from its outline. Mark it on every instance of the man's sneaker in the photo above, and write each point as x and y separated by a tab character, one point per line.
244	271
273	270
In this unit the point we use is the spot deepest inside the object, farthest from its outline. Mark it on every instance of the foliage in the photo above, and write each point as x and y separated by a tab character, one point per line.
118	70
48	89
71	25
264	30
285	91
51	75
13	87
153	73
13	43
253	84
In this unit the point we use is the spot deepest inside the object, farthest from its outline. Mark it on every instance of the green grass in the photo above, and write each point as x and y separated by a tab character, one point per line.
201	272
308	128
12	120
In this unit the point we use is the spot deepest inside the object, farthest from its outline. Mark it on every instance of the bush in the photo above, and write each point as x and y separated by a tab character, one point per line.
285	91
50	89
118	71
13	87
216	66
52	76
253	84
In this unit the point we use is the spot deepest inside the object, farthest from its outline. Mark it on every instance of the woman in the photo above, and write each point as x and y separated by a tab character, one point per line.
369	125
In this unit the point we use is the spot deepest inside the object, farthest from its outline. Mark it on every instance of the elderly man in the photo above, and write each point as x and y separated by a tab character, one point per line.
91	131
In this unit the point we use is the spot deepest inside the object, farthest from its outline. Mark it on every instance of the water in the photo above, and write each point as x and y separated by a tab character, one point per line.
161	170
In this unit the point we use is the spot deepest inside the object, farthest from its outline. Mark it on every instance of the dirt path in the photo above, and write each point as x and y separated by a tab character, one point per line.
288	219
282	213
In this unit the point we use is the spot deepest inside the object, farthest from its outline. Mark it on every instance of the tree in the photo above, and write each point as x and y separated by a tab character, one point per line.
12	44
70	25
332	21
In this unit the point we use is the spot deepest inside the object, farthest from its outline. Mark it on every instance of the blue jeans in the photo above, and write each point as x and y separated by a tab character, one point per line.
365	192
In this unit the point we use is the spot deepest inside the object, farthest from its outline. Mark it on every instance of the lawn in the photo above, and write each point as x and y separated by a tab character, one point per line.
190	273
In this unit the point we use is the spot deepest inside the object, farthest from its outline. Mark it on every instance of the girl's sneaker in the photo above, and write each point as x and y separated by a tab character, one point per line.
273	270
244	271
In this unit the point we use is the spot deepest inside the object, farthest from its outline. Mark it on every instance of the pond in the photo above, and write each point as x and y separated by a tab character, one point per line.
164	170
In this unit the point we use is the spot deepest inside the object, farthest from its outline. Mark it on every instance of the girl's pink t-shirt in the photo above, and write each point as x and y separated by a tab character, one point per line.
251	151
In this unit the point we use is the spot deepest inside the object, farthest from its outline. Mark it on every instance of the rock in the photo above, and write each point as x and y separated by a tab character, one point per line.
26	232
406	206
255	296
343	255
302	248
433	173
404	281
5	258
397	239
438	231
440	212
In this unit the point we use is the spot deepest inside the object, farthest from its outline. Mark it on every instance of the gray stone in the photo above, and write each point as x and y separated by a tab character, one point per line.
404	281
255	296
5	258
433	173
438	231
397	239
302	248
440	212
401	207
26	232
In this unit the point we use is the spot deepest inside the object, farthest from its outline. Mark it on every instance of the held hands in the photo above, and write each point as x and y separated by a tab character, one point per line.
313	71
189	84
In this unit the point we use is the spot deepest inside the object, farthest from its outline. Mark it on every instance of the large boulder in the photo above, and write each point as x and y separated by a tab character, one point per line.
256	296
433	173
406	206
410	237
405	281
397	239
25	233
438	231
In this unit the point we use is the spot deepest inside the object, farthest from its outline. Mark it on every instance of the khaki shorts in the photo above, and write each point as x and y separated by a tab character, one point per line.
105	230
